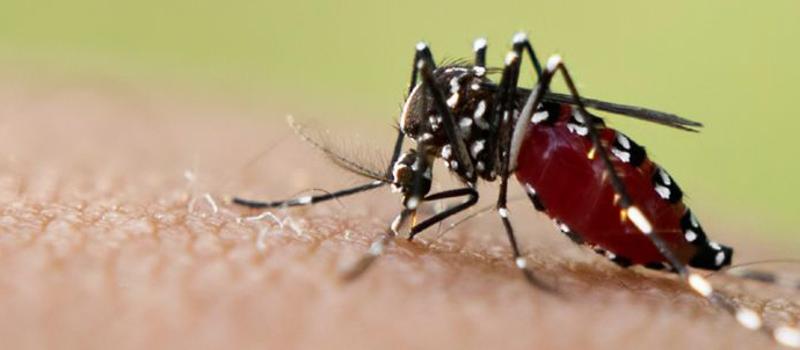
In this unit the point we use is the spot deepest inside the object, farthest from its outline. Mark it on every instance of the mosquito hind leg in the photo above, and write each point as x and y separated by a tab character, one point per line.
748	318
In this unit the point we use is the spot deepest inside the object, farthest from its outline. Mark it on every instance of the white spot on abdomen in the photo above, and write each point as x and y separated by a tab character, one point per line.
663	192
720	258
665	177
690	235
623	156
578	129
540	116
623	141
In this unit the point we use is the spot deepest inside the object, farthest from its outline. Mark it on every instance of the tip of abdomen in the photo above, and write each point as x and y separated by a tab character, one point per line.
712	256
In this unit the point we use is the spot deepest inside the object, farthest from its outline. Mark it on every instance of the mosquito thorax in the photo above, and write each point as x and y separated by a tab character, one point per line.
470	104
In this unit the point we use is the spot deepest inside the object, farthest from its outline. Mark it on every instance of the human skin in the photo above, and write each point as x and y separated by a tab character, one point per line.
115	233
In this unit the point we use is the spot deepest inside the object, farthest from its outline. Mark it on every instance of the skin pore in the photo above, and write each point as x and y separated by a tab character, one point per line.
115	233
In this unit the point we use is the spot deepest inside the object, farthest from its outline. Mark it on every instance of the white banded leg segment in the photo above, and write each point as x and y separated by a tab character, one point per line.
479	47
785	335
748	318
503	212
511	57
521	263
788	336
700	285
376	248
479	44
396	223
639	220
519	38
553	63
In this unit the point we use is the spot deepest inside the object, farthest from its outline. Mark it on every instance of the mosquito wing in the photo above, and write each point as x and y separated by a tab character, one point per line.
356	159
640	113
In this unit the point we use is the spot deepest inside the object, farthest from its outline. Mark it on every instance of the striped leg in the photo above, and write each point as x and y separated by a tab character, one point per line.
503	126
748	318
472	198
397	149
308	200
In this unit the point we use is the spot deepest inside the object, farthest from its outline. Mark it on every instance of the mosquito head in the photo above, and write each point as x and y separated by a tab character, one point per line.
470	104
412	176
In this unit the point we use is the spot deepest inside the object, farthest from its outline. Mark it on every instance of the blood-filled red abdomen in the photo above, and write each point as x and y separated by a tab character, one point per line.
557	162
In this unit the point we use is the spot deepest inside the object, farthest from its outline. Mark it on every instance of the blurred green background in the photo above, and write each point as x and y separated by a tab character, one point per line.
731	65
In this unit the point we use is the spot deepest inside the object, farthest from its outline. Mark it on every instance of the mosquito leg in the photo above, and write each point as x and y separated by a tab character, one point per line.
419	187
454	137
519	260
308	200
625	202
748	318
506	97
504	123
377	247
502	210
479	46
472	198
398	143
521	42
